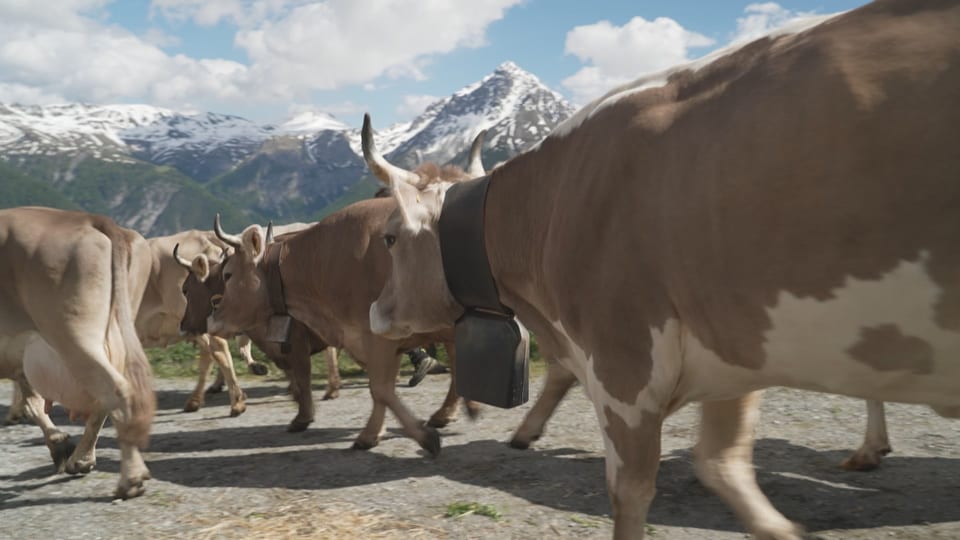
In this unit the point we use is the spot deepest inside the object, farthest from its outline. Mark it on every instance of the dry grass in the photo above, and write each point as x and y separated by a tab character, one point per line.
308	518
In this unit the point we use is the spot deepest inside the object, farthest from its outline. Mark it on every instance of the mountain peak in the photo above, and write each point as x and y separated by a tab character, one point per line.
511	68
312	122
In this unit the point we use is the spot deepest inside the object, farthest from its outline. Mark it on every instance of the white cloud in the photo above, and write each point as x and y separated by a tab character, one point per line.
211	12
294	47
27	95
761	19
68	51
337	43
413	105
619	54
616	55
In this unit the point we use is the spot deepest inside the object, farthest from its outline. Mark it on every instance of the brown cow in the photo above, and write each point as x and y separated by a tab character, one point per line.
158	319
330	273
70	284
786	213
206	283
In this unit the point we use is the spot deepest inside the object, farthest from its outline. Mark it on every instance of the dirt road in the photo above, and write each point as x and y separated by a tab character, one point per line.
245	477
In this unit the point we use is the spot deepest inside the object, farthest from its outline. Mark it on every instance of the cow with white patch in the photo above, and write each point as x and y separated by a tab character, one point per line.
70	284
783	214
201	290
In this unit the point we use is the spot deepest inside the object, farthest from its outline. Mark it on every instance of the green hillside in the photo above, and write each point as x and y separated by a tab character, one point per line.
19	189
152	199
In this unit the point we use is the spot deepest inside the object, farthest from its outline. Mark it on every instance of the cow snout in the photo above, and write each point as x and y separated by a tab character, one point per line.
383	325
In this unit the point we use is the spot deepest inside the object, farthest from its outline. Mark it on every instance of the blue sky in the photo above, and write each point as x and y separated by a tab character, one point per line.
270	59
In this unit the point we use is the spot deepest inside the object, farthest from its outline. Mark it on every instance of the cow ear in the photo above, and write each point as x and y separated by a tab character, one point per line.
253	242
417	206
200	267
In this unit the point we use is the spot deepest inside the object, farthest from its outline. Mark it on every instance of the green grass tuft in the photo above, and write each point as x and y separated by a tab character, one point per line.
461	508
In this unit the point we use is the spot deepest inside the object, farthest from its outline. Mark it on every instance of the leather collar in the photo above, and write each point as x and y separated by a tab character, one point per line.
271	270
464	253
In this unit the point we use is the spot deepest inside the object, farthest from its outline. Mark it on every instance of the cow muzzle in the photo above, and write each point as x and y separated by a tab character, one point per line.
384	326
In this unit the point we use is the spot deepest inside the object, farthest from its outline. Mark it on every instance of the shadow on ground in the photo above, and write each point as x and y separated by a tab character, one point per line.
806	485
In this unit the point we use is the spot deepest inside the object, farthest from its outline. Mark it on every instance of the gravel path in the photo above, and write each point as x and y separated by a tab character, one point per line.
245	477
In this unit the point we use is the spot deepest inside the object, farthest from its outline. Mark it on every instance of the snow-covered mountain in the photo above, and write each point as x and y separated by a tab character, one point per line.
288	171
515	108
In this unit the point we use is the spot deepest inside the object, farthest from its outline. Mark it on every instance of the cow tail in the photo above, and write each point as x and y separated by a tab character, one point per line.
142	402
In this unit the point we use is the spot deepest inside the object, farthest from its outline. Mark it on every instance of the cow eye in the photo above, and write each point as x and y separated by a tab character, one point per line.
389	240
226	277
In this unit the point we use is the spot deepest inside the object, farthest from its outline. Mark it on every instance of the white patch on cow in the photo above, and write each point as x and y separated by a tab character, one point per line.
665	354
809	341
657	80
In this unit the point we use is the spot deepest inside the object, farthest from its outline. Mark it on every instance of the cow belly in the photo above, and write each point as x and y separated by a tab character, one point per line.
11	354
882	339
49	376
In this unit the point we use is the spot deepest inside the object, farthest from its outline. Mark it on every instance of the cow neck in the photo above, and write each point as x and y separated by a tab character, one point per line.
463	250
517	213
273	278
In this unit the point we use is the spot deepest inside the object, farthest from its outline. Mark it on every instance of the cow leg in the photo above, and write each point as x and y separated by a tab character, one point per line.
245	346
724	463
383	373
16	412
333	374
58	442
133	472
220	351
875	442
632	452
195	401
558	382
448	409
299	375
217	385
84	457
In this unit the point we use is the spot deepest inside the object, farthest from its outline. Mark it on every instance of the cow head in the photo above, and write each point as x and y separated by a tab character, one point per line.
416	298
244	303
203	286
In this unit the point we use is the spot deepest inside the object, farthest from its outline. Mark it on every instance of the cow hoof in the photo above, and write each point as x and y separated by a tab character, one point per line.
362	445
519	444
214	389
237	410
473	409
80	466
258	369
296	426
191	406
331	394
865	460
431	443
439	421
790	531
129	490
61	452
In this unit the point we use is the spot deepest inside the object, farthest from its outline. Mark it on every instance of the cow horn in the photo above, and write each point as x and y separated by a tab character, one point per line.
379	166
180	260
269	234
233	240
475	166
